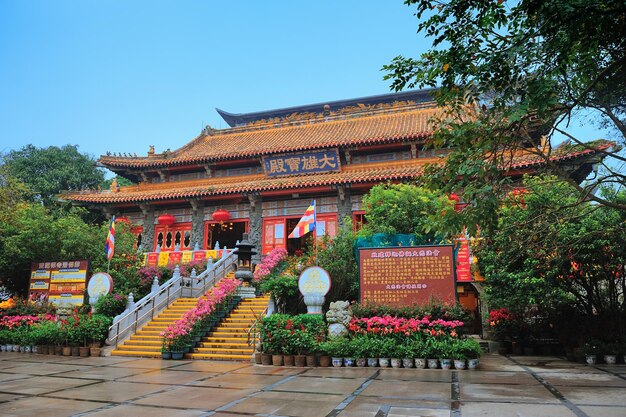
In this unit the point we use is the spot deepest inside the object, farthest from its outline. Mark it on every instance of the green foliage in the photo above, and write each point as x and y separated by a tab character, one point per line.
110	305
559	262
48	171
299	334
408	209
433	310
337	348
281	287
337	257
525	68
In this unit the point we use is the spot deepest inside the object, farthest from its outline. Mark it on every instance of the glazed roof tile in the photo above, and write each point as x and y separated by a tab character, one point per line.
350	174
271	138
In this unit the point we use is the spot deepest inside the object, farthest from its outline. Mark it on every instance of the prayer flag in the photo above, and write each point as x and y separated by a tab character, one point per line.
109	247
306	223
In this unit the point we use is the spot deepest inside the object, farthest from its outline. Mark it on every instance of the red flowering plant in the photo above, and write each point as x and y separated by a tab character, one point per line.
501	322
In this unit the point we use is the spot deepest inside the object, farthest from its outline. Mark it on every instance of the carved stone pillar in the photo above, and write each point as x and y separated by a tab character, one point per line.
344	204
197	223
256	225
147	236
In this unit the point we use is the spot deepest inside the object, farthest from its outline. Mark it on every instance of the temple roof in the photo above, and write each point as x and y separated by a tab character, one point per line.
241	119
350	174
354	126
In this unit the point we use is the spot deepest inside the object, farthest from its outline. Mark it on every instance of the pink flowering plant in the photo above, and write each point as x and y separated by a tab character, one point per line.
178	335
12	322
400	326
275	260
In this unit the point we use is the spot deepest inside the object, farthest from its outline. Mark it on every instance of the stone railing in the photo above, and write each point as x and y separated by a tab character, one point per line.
162	296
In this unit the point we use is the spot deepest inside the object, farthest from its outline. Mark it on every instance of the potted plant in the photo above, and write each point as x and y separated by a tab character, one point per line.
472	351
335	349
611	350
431	350
395	354
406	353
97	331
358	350
387	346
371	349
445	355
418	347
591	349
457	351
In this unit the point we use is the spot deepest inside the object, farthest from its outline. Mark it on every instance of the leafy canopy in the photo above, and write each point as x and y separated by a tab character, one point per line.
49	171
511	72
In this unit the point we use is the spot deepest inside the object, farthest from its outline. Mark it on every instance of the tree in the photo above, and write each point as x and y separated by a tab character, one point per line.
49	171
409	209
554	257
511	72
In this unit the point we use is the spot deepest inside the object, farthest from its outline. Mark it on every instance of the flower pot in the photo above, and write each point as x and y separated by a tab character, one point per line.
396	362
310	361
361	362
337	362
95	351
58	350
372	362
257	358
300	361
51	349
166	355
178	355
407	362
288	360
83	351
34	349
3	348
610	359
529	351
266	359
325	361
348	362
446	363
43	350
459	363
75	350
383	362
420	363
67	351
591	359
472	364
16	348
433	363
277	360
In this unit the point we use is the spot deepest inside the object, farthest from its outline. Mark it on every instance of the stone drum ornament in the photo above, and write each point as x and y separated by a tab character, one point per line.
314	284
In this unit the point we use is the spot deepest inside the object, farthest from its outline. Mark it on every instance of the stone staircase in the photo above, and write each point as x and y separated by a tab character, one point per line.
146	342
229	340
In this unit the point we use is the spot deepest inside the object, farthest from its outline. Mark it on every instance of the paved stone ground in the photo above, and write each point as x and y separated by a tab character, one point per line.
55	386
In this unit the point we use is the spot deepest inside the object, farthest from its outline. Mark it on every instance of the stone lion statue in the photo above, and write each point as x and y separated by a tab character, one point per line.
338	318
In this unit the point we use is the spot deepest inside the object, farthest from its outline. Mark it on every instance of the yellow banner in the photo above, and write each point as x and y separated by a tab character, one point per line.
164	258
187	257
69	276
211	254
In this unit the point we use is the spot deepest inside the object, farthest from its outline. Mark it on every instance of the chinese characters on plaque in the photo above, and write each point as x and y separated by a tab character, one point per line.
326	160
404	276
62	283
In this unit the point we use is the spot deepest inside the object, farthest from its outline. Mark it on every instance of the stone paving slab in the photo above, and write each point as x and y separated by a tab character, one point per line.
50	407
56	386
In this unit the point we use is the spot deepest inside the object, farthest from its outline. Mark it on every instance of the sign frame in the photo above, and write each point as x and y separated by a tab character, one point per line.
449	294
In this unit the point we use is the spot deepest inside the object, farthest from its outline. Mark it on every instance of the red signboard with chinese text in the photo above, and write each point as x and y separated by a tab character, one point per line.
463	267
403	276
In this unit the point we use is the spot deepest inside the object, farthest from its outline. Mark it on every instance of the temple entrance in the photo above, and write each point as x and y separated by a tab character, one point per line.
300	245
469	299
226	233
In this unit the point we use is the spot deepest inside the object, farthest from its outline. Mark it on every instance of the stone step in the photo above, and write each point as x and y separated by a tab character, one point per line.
218	357
226	351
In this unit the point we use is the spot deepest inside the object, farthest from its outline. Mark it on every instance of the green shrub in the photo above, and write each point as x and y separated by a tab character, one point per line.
111	304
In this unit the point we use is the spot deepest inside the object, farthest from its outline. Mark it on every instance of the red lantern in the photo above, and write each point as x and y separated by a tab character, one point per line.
166	219
122	219
221	215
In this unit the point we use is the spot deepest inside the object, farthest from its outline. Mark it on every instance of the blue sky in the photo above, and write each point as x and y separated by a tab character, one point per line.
122	75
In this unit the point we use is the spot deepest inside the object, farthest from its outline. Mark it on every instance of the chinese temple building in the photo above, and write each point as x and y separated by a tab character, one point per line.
260	174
